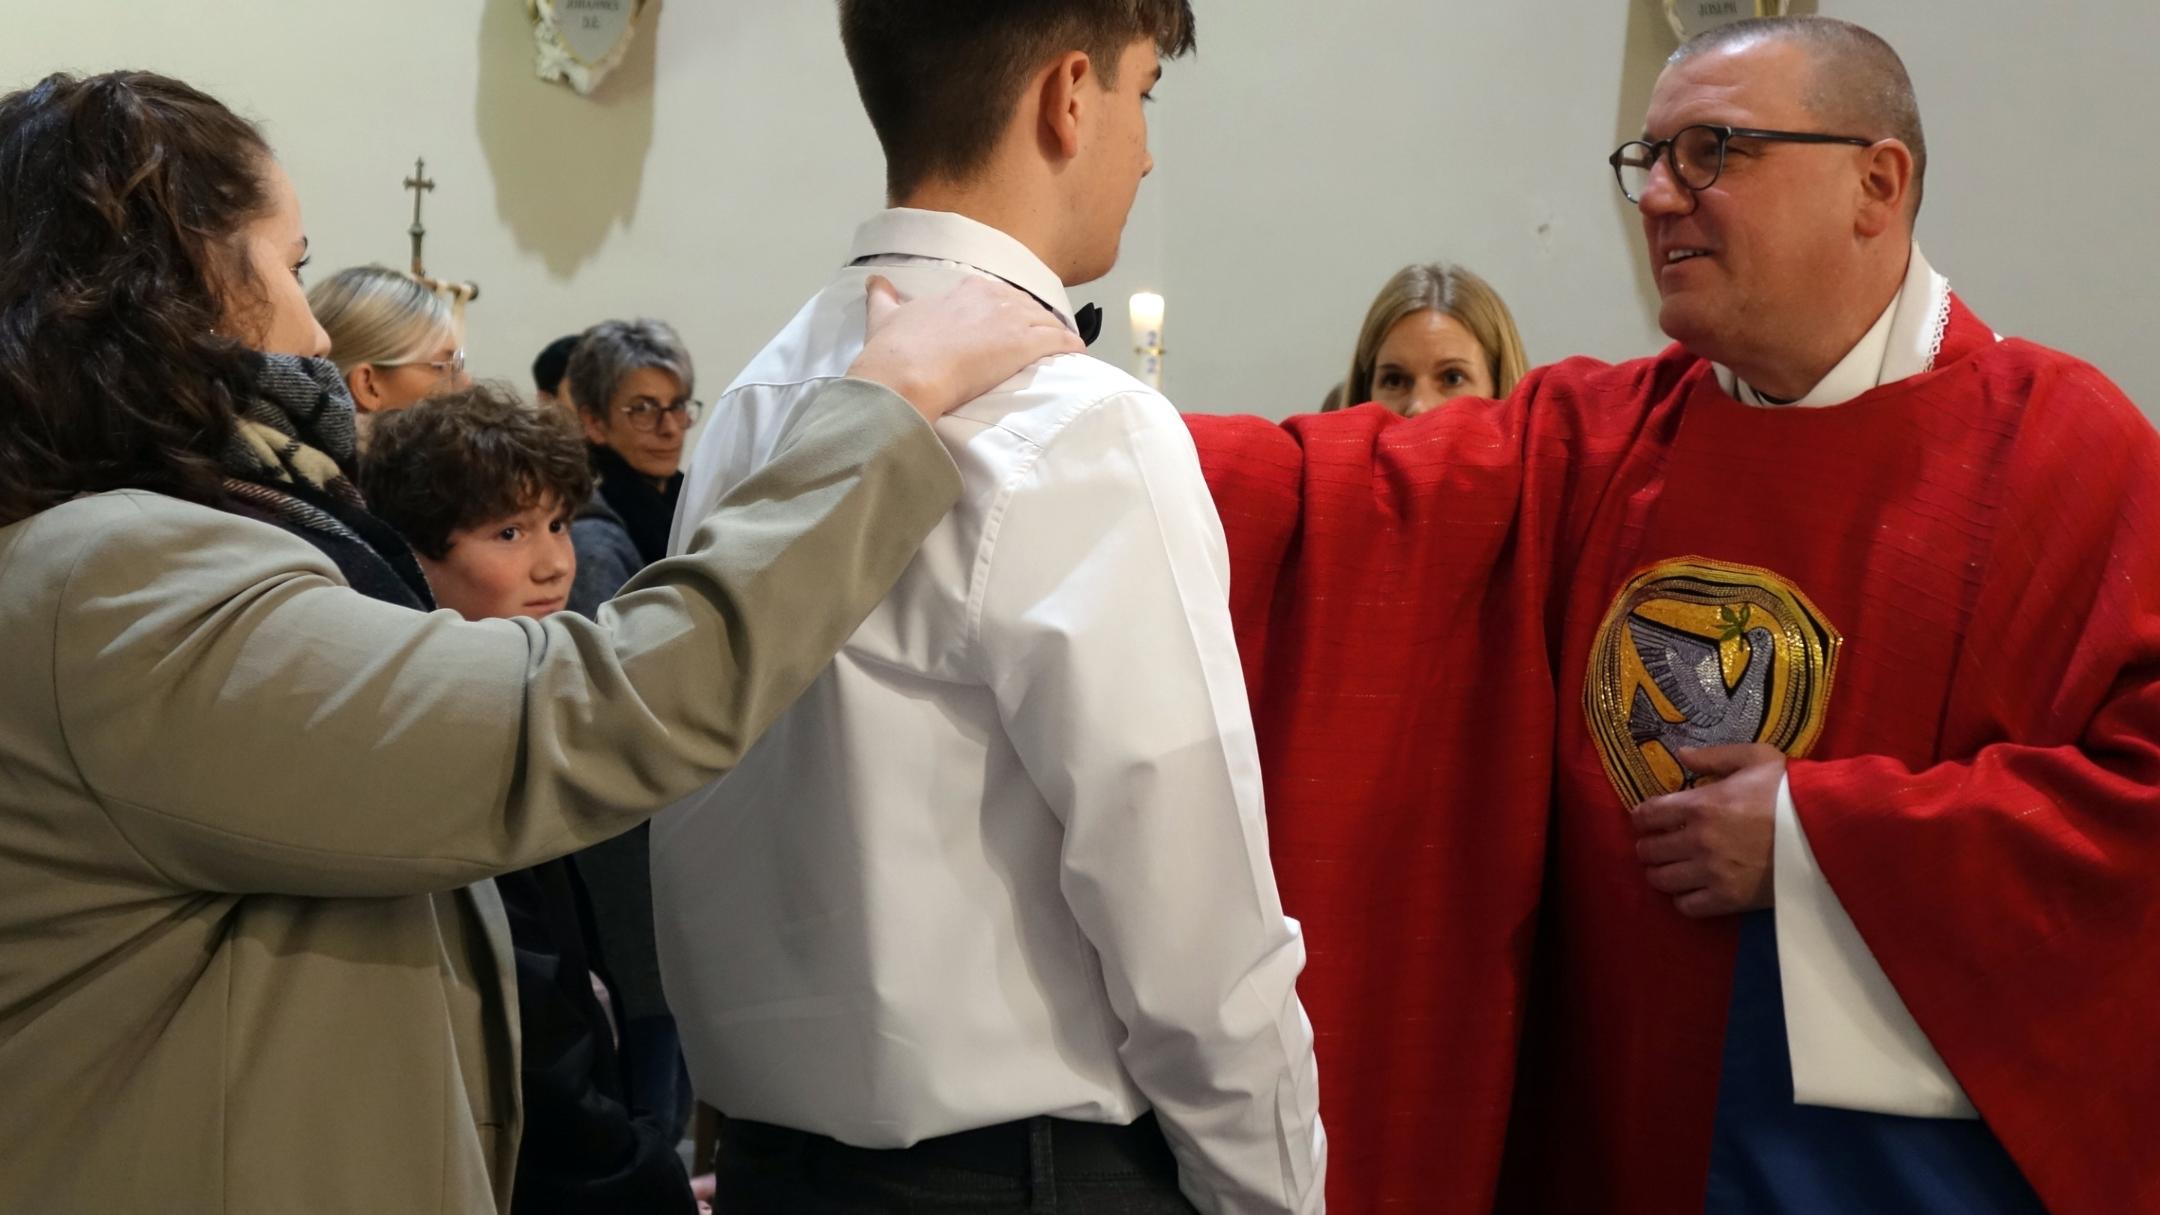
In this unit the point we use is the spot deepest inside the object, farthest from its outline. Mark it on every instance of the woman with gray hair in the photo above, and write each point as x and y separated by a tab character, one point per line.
631	381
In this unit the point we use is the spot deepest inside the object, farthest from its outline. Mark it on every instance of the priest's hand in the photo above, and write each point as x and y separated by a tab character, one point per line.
1710	847
943	351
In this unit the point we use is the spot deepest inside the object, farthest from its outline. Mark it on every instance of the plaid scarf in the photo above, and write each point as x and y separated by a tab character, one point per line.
290	460
296	433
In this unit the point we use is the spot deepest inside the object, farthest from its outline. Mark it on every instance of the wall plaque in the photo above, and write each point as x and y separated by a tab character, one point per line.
1692	17
581	41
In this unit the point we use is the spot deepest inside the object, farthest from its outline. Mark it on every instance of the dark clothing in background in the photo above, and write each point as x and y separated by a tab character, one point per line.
646	513
617	873
617	878
606	556
591	1143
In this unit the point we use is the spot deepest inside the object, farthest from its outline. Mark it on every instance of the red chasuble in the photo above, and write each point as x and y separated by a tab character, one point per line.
1420	604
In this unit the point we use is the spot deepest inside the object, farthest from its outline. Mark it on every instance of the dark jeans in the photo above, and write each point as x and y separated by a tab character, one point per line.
1043	1166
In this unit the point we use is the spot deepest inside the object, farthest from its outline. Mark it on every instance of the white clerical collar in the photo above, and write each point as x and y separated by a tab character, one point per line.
942	236
1902	343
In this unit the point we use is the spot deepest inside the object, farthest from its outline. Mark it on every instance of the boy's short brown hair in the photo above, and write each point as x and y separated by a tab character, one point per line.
470	457
939	77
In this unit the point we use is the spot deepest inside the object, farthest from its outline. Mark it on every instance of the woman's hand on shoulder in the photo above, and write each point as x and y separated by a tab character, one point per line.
941	352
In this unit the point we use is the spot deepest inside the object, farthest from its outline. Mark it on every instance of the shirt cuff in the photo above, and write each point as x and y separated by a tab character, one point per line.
1854	1044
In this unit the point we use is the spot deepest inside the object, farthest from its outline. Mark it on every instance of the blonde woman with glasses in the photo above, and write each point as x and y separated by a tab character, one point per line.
395	341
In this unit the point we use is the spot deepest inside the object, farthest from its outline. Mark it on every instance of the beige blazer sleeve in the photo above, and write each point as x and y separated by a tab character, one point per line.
251	724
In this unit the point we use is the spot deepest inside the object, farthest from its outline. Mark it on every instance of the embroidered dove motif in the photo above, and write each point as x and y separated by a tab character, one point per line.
1686	669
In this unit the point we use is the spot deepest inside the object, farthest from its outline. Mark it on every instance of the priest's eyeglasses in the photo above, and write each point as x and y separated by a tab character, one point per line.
1696	155
644	413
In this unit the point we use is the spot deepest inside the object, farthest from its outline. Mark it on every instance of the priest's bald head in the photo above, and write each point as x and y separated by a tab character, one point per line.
1778	179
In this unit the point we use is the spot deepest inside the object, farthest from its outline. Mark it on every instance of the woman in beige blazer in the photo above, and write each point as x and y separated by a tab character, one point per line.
249	957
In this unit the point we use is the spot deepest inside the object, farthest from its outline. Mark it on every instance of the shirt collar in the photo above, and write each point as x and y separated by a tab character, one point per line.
1902	343
905	232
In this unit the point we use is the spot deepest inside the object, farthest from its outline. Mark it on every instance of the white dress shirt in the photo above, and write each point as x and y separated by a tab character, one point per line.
1006	857
1854	1044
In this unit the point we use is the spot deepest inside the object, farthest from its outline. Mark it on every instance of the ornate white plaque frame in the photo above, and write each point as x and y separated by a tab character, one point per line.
1692	17
581	41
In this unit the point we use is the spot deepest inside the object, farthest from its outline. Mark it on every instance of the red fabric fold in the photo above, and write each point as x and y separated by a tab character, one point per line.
2005	878
1387	610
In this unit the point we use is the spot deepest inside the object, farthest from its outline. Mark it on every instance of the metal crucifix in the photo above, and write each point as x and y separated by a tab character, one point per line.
420	183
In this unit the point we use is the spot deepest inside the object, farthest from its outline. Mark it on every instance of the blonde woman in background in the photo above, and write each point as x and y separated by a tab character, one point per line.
395	341
1435	333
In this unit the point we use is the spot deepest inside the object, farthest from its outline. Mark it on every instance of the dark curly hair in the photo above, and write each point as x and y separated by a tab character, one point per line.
124	199
470	457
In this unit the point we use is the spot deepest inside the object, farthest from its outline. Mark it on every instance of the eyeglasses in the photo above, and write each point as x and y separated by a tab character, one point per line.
1696	155
644	412
454	365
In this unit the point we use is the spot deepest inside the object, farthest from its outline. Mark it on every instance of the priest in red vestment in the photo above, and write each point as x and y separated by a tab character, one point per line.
1727	781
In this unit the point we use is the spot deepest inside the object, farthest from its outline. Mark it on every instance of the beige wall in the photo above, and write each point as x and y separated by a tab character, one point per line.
1306	152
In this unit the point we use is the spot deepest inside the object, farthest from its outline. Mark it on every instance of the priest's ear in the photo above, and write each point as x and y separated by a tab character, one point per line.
1889	191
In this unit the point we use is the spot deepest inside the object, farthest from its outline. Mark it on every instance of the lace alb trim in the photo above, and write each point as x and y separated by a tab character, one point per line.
1940	328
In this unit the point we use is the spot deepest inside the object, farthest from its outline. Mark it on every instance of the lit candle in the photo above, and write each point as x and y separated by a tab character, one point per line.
1147	327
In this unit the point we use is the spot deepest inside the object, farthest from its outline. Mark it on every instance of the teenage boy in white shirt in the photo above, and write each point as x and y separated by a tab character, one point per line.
987	917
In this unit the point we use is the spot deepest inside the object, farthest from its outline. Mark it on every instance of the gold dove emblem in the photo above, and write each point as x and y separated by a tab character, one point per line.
1697	653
